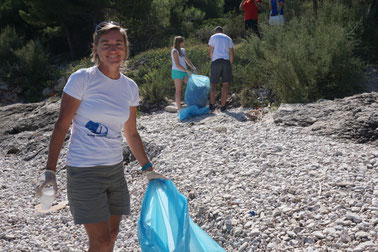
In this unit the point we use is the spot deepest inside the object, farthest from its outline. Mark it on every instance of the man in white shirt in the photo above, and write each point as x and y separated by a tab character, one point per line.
221	51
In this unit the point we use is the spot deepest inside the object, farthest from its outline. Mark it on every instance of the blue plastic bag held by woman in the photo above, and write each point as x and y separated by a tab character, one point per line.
197	90
164	224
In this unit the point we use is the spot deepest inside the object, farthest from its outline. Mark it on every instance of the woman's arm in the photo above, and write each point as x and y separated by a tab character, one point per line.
68	109
189	63
133	139
136	145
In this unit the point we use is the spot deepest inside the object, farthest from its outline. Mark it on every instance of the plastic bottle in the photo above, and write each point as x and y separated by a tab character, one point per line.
47	198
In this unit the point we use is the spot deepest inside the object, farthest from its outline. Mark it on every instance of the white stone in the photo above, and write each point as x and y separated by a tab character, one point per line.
362	234
241	164
319	235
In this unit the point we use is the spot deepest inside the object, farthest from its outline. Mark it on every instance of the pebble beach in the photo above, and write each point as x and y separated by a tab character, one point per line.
251	185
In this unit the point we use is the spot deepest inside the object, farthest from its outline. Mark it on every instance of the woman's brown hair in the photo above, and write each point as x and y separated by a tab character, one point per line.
176	43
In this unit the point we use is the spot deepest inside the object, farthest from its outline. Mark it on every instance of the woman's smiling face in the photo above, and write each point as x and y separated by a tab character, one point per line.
111	49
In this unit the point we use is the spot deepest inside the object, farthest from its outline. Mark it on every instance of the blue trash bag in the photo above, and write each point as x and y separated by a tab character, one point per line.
192	111
164	223
197	90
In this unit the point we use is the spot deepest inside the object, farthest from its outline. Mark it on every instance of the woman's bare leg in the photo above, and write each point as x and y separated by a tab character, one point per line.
178	85
102	235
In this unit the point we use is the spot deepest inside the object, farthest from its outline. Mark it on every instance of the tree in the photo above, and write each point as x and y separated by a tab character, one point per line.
315	4
73	20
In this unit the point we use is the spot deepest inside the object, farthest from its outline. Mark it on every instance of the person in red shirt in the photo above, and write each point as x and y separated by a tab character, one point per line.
250	8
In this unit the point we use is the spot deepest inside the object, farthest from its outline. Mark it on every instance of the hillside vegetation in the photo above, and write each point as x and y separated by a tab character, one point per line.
320	52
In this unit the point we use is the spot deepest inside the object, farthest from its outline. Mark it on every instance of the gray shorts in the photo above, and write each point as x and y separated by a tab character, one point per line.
96	193
220	68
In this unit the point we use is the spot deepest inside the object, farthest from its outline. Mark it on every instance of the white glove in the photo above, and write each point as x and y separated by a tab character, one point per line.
50	179
154	175
195	70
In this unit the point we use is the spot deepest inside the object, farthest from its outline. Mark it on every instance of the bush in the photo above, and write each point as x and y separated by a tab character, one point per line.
73	67
151	71
31	70
308	58
9	41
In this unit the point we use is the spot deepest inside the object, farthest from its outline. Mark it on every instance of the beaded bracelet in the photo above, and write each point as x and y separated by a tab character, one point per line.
146	166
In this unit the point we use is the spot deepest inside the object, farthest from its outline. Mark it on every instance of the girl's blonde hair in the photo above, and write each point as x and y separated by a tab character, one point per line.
176	43
103	30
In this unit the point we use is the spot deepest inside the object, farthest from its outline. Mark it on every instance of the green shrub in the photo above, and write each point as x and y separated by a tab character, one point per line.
309	58
156	88
74	66
248	98
31	71
9	41
152	74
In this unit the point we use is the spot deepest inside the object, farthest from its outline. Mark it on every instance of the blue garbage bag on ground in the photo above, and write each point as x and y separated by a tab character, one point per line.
192	111
164	224
197	90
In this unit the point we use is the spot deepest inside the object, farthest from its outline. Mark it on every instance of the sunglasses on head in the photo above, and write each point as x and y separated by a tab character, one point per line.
102	24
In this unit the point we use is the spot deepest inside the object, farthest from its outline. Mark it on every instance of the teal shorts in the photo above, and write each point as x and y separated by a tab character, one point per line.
96	193
178	74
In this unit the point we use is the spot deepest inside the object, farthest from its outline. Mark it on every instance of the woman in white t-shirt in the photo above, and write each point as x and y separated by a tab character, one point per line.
179	70
100	102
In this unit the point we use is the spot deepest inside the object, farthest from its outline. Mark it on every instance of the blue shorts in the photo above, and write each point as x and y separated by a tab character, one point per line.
178	74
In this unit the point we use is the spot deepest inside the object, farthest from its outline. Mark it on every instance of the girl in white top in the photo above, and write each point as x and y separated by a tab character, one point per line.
100	102
179	69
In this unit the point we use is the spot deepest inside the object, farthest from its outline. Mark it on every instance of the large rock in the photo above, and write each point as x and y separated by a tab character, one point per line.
25	130
354	118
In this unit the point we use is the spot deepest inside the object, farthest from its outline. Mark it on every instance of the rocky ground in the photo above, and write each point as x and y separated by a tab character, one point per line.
274	184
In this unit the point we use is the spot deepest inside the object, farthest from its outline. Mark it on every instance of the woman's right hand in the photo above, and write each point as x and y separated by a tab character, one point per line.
50	179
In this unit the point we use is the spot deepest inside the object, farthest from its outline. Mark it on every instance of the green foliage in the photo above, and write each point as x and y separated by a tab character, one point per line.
71	21
212	8
152	75
309	58
248	98
9	40
199	56
31	71
76	65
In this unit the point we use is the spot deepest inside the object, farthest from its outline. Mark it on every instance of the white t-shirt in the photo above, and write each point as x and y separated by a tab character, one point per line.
221	43
181	59
96	135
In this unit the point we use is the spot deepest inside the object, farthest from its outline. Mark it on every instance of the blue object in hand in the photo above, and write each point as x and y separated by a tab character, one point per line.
164	224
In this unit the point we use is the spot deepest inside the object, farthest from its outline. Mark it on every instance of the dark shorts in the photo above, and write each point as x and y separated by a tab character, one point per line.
96	193
252	25
220	68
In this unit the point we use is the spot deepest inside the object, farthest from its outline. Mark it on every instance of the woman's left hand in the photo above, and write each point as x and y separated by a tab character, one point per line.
154	175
